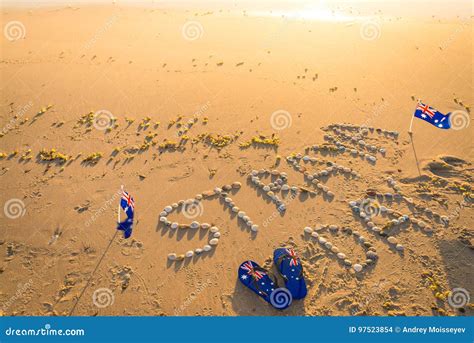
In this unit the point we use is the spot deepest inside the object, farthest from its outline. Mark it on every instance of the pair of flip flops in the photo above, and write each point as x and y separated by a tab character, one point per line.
265	285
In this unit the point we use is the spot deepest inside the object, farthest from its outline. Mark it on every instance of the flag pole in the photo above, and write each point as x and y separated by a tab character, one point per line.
97	265
411	125
411	122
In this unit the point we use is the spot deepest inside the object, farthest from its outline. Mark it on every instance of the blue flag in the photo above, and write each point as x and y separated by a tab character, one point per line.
128	205
126	226
432	116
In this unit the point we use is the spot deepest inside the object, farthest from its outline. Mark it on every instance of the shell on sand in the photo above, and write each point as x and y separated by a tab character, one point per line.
198	251
399	247
308	230
168	209
236	185
392	240
314	234
341	256
207	247
172	256
214	229
174	225
241	214
214	241
194	225
189	253
205	226
357	267
254	228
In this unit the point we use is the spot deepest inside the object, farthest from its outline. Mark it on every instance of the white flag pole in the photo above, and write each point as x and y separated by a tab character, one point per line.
118	210
413	117
411	124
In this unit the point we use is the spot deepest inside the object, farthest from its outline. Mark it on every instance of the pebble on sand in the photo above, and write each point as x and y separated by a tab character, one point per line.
392	240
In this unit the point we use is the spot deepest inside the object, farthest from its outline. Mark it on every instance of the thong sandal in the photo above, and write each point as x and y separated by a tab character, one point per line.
290	268
264	284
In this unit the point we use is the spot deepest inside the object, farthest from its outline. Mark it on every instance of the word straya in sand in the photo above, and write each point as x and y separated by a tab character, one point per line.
188	207
280	183
371	253
331	169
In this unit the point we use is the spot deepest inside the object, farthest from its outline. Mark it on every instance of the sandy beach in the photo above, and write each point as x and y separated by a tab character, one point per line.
173	102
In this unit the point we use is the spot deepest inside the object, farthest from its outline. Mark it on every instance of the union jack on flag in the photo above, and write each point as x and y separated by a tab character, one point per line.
256	274
127	203
432	116
293	257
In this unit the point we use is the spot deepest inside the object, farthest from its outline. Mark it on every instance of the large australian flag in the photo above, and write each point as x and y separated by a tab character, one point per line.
128	205
432	116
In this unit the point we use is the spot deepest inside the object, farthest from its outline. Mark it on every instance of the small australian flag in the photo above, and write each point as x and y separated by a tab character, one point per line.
432	116
128	205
